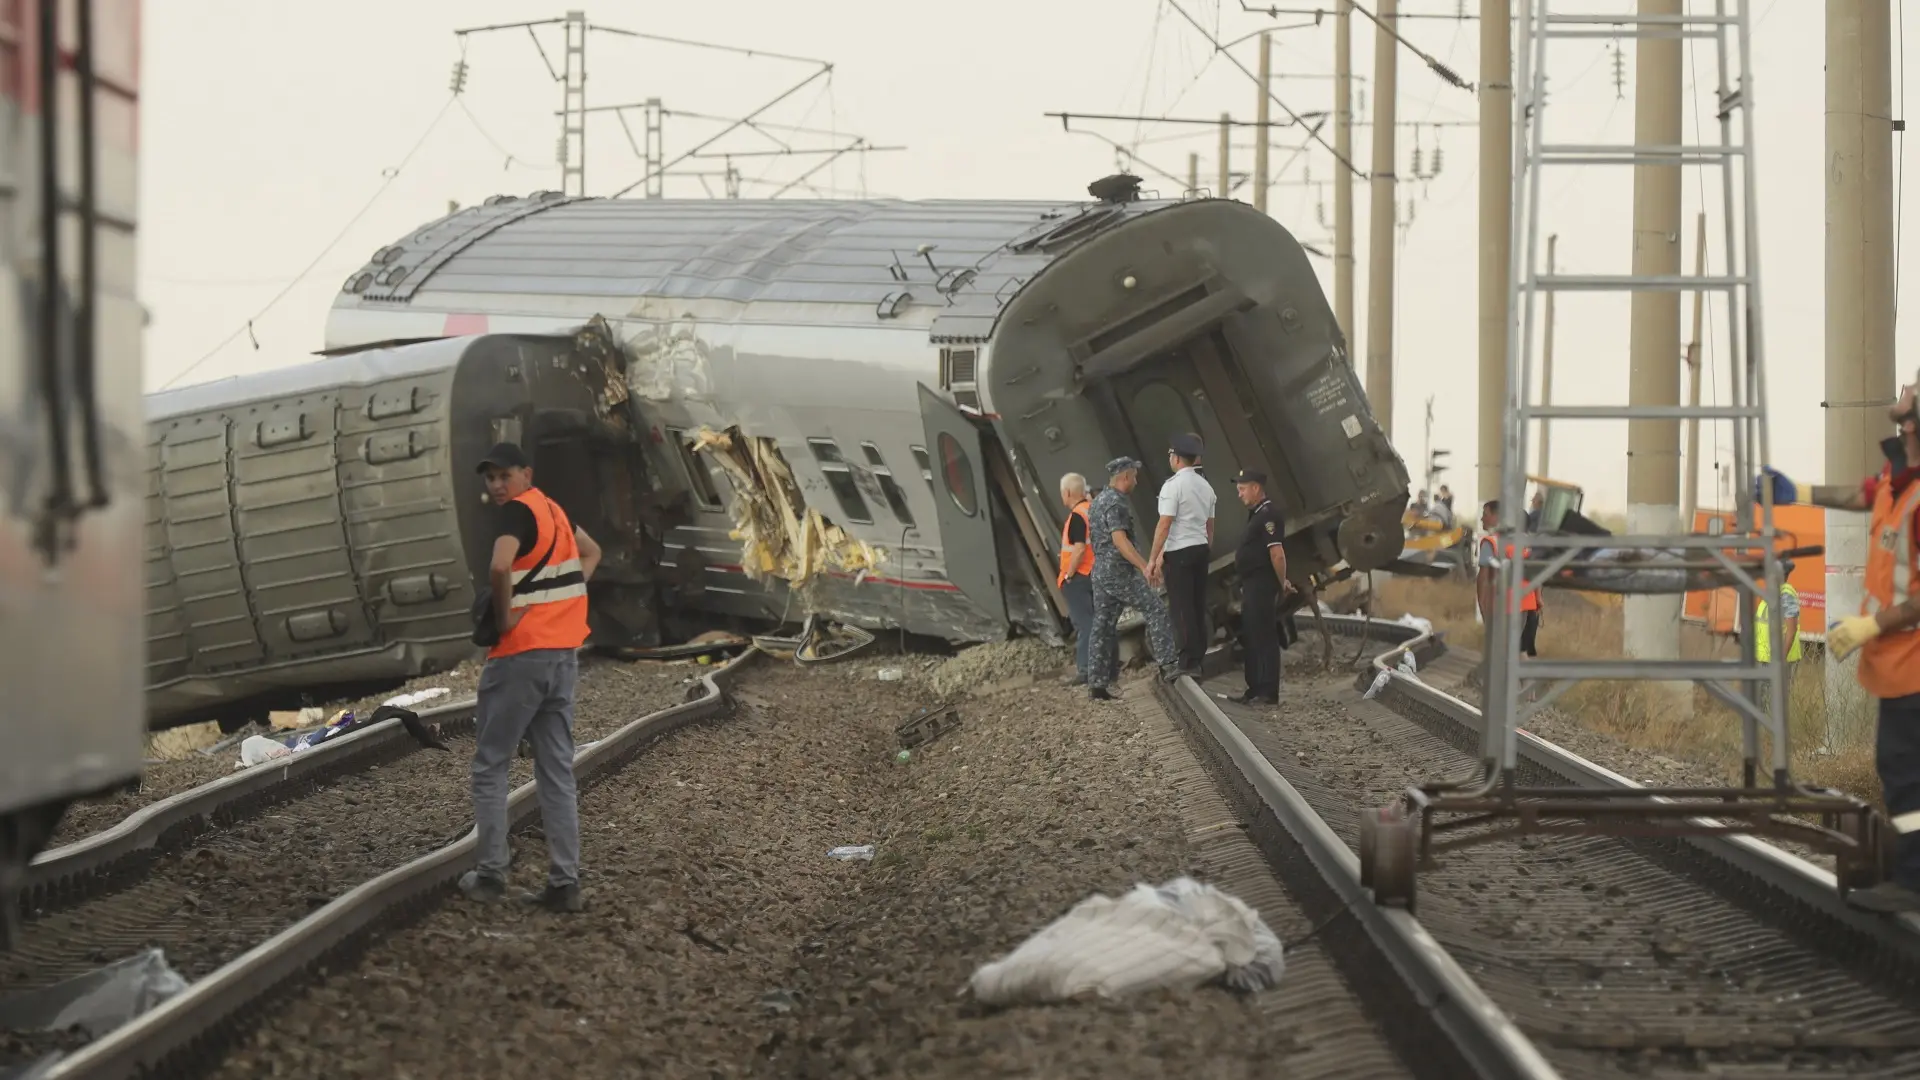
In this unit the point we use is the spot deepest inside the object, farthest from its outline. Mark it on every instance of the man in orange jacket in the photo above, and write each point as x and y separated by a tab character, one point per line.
1487	583
1886	633
526	689
1076	569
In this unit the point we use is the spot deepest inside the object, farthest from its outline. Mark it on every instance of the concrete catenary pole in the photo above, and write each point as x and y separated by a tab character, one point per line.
1496	239
1860	363
1380	229
1546	379
1653	446
1226	155
1262	131
1193	172
1343	175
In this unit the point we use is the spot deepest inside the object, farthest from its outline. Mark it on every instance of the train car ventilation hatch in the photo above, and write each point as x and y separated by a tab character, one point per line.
1157	329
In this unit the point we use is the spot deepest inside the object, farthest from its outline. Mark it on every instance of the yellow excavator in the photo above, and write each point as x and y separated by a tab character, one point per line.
1435	539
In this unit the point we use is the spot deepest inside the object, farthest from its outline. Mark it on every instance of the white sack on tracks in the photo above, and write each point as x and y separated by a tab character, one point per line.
1177	936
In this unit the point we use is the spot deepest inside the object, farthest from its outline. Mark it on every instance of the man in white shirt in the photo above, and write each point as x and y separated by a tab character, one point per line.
1181	547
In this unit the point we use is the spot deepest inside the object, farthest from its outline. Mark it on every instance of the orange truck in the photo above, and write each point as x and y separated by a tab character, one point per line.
1718	611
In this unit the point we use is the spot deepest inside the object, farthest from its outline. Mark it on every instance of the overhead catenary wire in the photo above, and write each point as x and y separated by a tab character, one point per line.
392	174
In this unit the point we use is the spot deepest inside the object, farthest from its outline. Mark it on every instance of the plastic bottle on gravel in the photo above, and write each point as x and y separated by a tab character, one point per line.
850	852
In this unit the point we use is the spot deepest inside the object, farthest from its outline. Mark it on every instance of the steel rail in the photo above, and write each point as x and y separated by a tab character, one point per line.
187	1033
1746	869
60	877
1437	1018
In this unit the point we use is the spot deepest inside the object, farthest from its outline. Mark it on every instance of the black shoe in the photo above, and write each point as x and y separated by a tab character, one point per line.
1886	898
1100	693
482	887
557	898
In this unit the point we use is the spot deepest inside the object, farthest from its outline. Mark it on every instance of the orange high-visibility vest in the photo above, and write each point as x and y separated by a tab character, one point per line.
555	608
1085	564
1890	663
1529	602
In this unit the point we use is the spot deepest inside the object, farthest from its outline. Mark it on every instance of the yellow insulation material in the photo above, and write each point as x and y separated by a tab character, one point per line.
780	535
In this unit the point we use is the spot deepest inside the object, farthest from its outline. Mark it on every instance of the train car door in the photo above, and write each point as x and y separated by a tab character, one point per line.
963	501
1167	396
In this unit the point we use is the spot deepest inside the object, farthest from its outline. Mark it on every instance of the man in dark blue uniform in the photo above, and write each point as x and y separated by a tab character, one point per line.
1261	565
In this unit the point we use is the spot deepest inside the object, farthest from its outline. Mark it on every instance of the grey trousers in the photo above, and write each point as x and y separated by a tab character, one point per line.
527	696
1079	593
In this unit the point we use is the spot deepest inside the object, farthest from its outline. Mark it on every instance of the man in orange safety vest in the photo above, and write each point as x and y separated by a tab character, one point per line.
1886	633
1487	582
1076	569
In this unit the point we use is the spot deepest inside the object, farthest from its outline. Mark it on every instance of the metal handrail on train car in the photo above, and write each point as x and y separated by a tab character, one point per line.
1738	863
187	1031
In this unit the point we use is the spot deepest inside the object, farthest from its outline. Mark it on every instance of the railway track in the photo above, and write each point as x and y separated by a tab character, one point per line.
1592	957
270	854
1617	956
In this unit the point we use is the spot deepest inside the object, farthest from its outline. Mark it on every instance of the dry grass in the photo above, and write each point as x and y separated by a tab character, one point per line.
1639	715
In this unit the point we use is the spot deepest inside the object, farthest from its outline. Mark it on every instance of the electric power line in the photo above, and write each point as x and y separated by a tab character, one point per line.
391	175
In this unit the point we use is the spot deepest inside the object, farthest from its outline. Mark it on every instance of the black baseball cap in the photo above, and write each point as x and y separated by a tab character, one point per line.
1248	476
504	455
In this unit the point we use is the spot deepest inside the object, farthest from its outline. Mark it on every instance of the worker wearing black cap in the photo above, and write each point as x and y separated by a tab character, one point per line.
1261	565
1182	546
538	569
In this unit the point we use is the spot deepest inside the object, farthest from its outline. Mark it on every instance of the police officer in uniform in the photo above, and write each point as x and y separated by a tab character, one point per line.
1120	581
1261	565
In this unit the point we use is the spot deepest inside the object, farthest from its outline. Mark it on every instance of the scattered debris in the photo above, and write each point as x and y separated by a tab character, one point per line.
778	1002
1380	682
996	662
295	719
924	725
1408	665
888	674
1175	936
850	852
780	535
174	744
99	1001
903	757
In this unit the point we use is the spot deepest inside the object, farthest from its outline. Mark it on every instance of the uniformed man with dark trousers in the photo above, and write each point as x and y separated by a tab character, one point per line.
1182	547
1120	581
1261	565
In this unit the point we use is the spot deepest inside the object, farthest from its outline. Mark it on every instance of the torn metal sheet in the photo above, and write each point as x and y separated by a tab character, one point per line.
780	535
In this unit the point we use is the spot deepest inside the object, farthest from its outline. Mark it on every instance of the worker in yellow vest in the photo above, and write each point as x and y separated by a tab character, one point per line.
1789	627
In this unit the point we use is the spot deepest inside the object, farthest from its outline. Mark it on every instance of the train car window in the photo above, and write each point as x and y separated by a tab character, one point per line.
840	478
896	498
699	474
926	466
957	469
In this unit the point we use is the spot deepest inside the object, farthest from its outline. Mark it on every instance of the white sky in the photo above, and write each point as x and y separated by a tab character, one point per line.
267	127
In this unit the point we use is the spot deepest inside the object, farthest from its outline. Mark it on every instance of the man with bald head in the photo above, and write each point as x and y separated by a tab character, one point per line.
1120	581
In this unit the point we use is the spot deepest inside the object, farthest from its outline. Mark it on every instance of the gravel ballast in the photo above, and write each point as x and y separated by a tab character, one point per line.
238	885
721	940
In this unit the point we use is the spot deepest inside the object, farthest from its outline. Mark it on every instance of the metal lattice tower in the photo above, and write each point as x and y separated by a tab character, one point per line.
573	106
1746	553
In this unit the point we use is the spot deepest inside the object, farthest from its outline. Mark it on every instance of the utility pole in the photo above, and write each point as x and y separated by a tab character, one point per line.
1226	151
1546	383
1653	446
1496	242
1263	133
1860	363
1690	493
1380	231
1193	172
1343	176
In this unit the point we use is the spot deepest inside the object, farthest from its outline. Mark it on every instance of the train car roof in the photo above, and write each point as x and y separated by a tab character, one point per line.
821	251
326	373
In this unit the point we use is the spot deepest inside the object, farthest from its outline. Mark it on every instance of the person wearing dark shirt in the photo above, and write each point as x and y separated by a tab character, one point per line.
1076	570
1261	565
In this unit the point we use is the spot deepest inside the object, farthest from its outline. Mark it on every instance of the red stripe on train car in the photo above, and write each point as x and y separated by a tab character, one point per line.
462	325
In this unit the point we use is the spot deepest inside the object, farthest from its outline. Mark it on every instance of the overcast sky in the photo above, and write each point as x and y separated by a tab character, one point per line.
269	126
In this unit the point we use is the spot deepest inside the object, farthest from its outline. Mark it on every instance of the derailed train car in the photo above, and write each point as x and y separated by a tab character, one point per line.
862	409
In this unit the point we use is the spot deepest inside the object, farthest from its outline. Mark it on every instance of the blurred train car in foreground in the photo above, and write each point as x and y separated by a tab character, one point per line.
71	597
